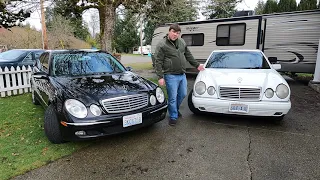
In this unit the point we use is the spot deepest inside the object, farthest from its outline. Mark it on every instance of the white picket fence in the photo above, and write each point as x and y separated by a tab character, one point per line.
15	81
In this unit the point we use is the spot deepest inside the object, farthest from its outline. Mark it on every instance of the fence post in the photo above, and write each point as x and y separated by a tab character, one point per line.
19	80
14	82
3	94
8	83
25	78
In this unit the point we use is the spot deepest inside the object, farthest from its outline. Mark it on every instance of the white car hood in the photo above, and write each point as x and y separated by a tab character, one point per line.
264	78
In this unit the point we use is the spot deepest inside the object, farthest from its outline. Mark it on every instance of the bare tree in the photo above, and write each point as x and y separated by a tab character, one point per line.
94	23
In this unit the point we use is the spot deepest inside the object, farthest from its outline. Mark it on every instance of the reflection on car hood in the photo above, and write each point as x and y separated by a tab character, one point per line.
96	88
242	77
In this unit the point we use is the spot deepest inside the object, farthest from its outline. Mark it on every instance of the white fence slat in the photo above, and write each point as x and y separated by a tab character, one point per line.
19	80
29	70
7	81
24	77
14	82
3	94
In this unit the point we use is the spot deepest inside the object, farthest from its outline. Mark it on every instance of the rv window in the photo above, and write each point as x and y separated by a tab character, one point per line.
193	39
231	34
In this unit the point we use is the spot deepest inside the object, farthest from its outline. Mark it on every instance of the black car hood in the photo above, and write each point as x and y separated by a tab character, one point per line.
95	88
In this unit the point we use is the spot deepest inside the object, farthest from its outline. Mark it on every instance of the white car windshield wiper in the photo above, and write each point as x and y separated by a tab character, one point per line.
253	68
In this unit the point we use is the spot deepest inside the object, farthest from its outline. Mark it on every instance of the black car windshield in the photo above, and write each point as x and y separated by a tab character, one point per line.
84	63
11	55
237	60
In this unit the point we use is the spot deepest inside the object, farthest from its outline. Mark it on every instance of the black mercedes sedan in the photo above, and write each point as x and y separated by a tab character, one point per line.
89	94
19	57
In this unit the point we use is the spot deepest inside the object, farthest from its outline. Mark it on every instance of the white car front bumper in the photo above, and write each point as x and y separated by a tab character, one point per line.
259	108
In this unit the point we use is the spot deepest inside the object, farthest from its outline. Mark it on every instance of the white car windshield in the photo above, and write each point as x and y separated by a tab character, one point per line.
237	60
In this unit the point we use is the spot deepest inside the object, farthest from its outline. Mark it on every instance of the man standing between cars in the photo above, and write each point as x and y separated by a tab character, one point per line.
171	56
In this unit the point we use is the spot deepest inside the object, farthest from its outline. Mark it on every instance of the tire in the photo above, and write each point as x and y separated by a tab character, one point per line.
278	119
51	126
34	99
190	104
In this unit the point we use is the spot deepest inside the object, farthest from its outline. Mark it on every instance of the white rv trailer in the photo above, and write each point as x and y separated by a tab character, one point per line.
290	37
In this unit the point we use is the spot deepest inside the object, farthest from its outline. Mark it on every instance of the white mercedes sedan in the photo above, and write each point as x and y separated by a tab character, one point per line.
240	82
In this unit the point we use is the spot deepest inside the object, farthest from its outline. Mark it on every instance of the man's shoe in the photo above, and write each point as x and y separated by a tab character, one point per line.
172	122
179	114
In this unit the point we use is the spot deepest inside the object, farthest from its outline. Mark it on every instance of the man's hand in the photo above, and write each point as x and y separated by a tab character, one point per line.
161	82
200	67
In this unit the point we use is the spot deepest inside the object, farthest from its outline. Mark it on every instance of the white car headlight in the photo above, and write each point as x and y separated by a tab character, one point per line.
269	93
200	87
211	90
76	108
95	110
153	100
282	91
160	95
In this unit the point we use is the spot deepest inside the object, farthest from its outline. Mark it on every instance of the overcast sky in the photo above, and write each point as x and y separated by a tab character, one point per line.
34	20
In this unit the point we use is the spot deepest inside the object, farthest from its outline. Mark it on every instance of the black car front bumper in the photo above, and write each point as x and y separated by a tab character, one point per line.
110	124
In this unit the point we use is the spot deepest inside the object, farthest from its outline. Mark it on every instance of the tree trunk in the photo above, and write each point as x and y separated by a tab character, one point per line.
107	22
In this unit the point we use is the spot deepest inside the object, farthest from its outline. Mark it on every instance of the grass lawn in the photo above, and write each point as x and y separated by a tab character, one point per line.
140	66
23	144
124	54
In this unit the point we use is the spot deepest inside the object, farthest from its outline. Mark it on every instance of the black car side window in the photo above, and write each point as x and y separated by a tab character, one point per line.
44	60
28	58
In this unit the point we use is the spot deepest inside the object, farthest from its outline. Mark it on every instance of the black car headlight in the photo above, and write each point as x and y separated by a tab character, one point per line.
95	110
76	108
153	100
160	95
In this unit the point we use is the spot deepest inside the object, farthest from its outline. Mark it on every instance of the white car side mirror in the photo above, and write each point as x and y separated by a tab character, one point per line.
276	66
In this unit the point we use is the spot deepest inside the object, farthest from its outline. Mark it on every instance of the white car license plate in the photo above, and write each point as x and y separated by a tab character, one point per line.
239	108
132	119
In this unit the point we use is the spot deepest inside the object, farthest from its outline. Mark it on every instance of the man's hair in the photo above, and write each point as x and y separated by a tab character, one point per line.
175	27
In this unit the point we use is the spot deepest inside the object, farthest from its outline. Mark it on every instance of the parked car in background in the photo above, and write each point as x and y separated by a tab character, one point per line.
19	57
90	94
240	82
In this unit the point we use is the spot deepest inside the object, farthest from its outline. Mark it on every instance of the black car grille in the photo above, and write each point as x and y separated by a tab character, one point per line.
125	103
242	93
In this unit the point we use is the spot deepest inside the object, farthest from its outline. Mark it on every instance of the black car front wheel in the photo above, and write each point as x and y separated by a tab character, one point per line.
191	106
51	126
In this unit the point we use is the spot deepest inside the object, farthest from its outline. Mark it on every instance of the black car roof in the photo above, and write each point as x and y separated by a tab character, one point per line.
74	50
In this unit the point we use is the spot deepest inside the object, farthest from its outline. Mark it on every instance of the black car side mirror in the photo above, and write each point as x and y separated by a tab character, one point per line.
40	75
129	68
273	60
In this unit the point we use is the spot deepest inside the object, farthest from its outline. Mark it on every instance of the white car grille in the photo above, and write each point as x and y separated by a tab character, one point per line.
242	93
125	103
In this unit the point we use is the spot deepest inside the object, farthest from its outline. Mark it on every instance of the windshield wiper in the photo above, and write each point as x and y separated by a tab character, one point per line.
253	68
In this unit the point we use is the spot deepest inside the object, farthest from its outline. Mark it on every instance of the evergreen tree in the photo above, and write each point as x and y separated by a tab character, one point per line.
270	7
260	7
307	5
125	33
287	5
220	8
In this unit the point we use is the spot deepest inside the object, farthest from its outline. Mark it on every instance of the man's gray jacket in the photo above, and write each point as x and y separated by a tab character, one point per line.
171	57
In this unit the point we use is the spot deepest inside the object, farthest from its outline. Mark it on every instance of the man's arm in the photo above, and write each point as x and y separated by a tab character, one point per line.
159	60
190	58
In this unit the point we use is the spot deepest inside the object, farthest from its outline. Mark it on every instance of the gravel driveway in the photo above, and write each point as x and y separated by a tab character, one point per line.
205	147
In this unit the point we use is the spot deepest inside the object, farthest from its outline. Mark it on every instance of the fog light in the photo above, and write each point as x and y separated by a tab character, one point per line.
202	108
80	133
